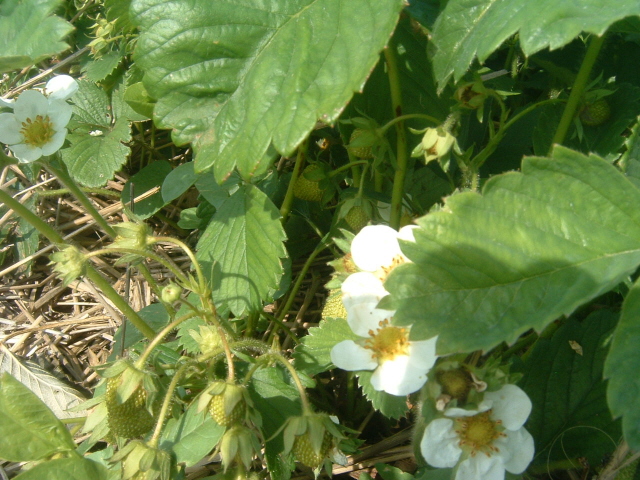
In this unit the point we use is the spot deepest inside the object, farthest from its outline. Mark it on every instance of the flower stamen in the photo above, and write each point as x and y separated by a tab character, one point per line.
38	131
388	341
479	432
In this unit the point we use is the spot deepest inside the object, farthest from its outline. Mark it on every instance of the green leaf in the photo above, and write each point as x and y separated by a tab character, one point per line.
150	177
192	436
26	238
391	406
534	246
178	181
630	160
313	354
243	246
236	77
622	367
73	468
30	33
156	317
28	429
139	100
97	150
276	400
476	28
570	417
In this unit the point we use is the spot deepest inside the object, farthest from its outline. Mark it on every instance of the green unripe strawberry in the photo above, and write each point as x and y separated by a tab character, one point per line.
129	419
357	218
596	113
304	452
306	189
359	152
217	411
333	307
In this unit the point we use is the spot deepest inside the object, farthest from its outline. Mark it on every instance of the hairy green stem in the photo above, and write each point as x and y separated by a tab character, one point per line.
319	248
577	90
54	237
160	337
202	282
401	148
153	442
306	406
285	209
181	277
408	116
66	180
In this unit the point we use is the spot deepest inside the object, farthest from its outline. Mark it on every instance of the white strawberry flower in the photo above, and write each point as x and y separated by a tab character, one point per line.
38	123
400	365
482	443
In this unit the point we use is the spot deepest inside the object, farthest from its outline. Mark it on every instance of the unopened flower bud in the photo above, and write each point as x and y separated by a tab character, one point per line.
436	143
171	293
132	235
471	95
70	263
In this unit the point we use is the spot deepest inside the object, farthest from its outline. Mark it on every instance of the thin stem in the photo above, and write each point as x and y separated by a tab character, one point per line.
408	116
401	148
153	442
486	152
346	167
66	180
160	337
202	283
577	90
54	237
210	314
181	277
283	313
285	209
306	407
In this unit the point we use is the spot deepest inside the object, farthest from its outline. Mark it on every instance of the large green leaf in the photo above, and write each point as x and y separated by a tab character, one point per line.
98	137
563	378
29	32
236	77
470	28
28	429
535	245
241	250
192	436
73	468
622	367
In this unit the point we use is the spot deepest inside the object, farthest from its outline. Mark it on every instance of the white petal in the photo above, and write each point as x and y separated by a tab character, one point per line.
61	87
422	353
439	445
481	467
461	412
59	113
516	449
350	356
9	129
55	143
6	102
361	293
511	405
375	246
26	153
30	104
406	233
398	376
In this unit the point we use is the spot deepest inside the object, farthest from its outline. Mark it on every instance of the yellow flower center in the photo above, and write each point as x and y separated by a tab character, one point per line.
388	341
37	132
383	272
479	432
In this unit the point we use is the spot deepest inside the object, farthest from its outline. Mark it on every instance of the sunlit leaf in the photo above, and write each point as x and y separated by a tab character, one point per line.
476	28
236	77
535	245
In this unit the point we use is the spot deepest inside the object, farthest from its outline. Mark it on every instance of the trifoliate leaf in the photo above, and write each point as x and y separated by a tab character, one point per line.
241	250
237	77
475	28
534	246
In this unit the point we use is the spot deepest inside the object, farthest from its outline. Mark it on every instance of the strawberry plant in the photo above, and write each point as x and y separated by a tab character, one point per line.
409	234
